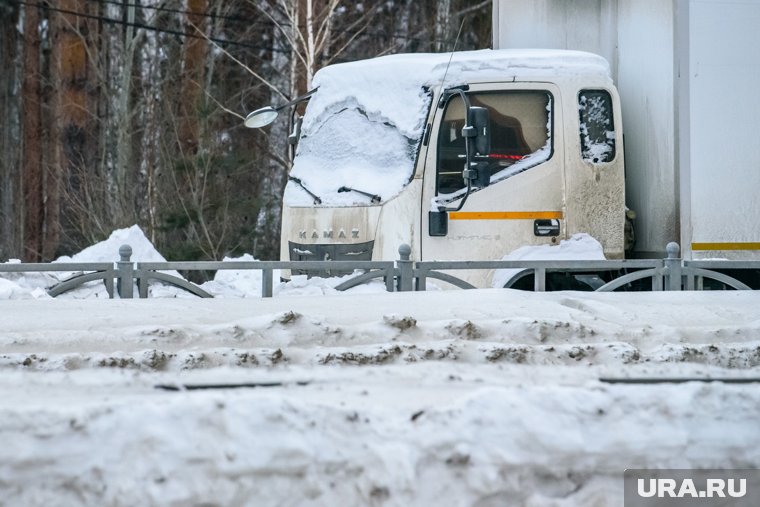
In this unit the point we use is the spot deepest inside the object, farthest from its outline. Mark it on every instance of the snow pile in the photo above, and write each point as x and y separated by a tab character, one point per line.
236	283
578	247
25	285
108	249
363	127
12	290
35	284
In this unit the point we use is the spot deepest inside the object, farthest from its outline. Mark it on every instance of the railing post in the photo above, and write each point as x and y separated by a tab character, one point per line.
142	282
421	284
405	269
389	279
125	284
539	280
688	273
673	265
266	282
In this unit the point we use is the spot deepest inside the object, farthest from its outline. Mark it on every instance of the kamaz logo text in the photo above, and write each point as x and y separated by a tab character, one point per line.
328	234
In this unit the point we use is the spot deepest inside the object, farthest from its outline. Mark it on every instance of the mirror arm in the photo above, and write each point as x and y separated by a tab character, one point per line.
297	100
467	131
291	129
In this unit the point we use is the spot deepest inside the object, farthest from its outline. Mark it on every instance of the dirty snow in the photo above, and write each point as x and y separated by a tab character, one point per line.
483	397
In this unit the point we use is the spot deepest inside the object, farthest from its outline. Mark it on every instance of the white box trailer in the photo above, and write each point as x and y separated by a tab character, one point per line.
688	73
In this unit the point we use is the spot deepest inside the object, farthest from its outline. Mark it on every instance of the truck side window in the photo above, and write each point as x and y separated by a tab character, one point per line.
596	126
520	135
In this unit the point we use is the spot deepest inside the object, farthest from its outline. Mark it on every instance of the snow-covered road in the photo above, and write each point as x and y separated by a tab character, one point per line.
486	397
475	326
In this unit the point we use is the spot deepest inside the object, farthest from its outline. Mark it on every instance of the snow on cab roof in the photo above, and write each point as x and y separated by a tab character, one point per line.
378	83
363	126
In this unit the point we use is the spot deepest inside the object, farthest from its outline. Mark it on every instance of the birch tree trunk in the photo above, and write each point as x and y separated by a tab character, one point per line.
285	77
442	22
124	55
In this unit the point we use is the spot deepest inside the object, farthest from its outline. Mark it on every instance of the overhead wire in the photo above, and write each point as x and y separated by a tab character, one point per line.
220	41
238	19
145	27
173	11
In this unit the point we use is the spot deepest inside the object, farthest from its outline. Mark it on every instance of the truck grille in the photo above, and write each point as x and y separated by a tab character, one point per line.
325	252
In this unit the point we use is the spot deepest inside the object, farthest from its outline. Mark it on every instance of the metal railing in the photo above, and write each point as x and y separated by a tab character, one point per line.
83	272
404	274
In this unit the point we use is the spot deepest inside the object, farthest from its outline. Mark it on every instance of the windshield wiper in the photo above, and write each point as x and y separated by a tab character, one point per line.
298	182
374	197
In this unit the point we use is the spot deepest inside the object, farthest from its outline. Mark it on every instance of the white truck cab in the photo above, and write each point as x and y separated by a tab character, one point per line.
463	156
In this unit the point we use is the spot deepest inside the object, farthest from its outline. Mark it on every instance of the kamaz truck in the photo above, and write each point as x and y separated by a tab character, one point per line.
471	155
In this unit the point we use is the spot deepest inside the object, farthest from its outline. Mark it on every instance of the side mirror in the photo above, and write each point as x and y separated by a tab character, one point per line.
260	117
477	172
478	118
438	223
266	115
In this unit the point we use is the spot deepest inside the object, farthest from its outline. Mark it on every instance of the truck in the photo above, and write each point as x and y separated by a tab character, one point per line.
471	155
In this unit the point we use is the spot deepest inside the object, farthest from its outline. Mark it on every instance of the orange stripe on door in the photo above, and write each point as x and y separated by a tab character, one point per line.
505	215
725	246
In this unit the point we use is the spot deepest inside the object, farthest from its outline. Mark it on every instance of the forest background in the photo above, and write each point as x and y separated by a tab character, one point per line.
122	112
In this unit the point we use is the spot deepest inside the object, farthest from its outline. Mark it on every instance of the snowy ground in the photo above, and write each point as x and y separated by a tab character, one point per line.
456	398
464	398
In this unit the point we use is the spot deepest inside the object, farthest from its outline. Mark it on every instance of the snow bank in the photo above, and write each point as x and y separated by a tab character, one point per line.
415	435
13	290
108	249
482	397
479	326
35	284
578	247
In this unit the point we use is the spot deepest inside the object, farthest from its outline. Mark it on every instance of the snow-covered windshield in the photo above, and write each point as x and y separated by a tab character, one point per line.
362	130
363	127
359	149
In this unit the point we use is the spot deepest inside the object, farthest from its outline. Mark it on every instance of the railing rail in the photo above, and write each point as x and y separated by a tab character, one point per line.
147	271
82	272
432	269
671	273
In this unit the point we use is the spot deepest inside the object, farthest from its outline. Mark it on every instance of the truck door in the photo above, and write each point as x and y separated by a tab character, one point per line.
524	203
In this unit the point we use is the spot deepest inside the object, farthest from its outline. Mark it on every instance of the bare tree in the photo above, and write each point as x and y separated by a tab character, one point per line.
192	79
33	189
11	202
95	137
